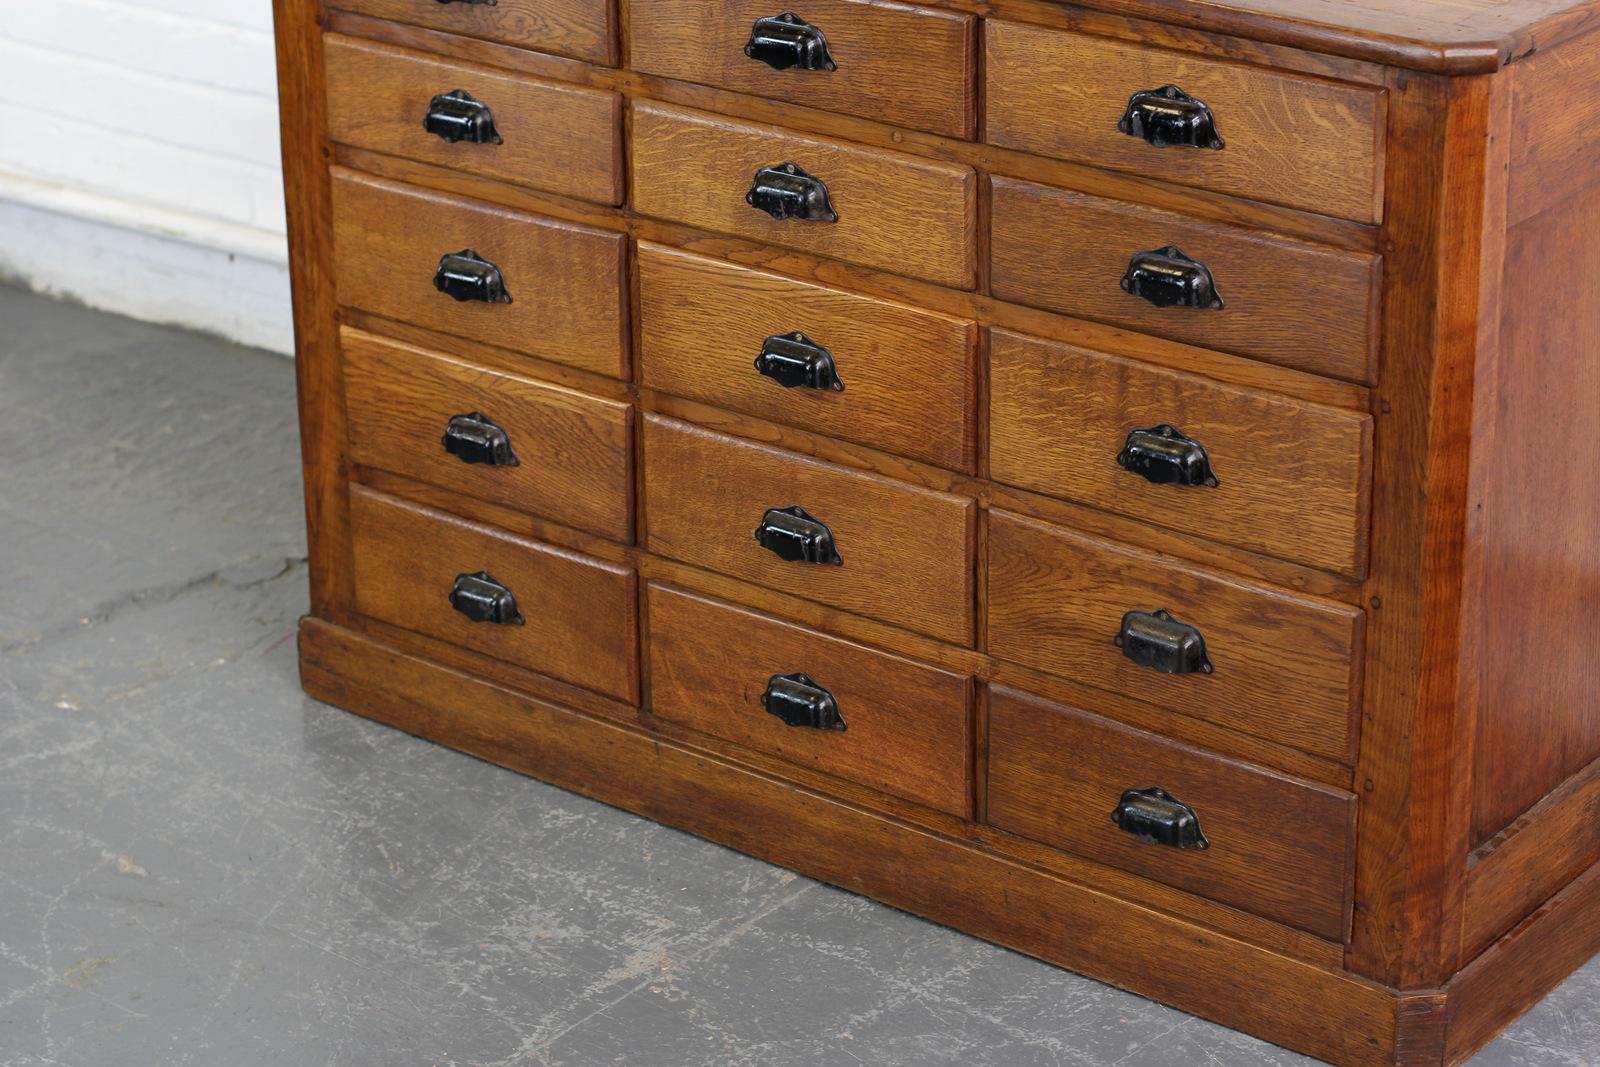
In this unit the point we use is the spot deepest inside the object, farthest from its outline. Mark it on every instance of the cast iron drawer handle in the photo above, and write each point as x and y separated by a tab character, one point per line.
1168	117
458	116
1168	278
794	360
791	534
1163	455
1156	639
799	701
474	438
787	192
465	275
482	599
1156	817
787	40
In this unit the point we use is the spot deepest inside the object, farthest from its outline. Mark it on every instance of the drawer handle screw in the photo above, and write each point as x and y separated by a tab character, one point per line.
787	41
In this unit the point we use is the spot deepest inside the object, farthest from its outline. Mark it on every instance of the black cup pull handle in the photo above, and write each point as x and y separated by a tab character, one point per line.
465	275
787	192
792	535
795	361
802	703
1163	455
1155	639
459	116
1156	817
789	42
1168	117
482	599
1168	278
475	438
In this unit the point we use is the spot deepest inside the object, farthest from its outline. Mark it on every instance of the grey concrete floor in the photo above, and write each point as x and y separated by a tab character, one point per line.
199	865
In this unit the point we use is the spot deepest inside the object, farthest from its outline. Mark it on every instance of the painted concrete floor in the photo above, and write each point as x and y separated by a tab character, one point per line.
199	865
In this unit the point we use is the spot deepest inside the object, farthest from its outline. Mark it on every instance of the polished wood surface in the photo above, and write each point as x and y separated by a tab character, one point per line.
582	29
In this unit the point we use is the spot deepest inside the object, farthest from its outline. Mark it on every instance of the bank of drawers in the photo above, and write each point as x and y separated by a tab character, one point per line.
606	345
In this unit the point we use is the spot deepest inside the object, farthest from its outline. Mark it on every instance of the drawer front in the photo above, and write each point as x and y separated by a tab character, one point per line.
894	725
565	455
578	613
1277	846
561	138
893	212
906	552
1284	667
580	29
1291	478
908	66
908	377
1292	140
1288	302
566	282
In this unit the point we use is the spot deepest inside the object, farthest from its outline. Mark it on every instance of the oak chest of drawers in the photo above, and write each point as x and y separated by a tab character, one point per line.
1118	479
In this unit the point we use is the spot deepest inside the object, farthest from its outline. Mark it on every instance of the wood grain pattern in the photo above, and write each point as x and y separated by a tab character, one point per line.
910	375
1289	302
567	282
907	552
896	212
582	29
561	138
908	726
579	611
1554	153
1287	667
912	66
1291	140
1293	477
574	451
1279	847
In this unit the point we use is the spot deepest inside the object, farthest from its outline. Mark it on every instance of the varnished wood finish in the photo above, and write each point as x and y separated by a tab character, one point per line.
582	29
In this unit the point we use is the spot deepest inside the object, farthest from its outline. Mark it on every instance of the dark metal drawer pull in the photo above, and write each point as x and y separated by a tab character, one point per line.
799	701
482	599
1168	278
787	192
791	534
1157	817
474	438
1156	639
786	41
794	360
458	116
1168	117
1163	455
465	275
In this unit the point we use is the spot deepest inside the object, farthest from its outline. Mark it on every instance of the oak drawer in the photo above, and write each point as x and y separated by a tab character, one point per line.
1289	302
906	727
580	29
908	377
578	613
1286	667
562	138
1278	846
907	552
571	454
1289	139
566	282
1292	478
894	212
910	66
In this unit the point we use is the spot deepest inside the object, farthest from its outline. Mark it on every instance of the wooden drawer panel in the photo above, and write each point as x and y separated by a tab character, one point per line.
567	282
1293	140
581	29
579	613
909	66
1279	847
909	376
574	460
1287	667
895	212
562	138
1292	477
1288	302
908	727
907	552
